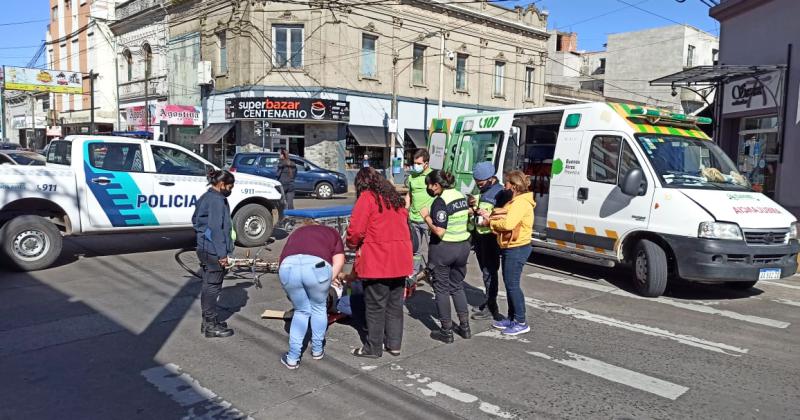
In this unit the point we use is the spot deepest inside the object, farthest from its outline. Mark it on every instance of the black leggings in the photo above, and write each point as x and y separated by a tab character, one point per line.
212	283
448	261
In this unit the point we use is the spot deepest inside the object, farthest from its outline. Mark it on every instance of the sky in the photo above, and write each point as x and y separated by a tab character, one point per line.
23	22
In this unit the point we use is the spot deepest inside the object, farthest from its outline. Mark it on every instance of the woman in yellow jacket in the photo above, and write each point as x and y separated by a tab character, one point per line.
513	225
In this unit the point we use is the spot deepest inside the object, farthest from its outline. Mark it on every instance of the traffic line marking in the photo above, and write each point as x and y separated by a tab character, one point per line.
430	388
666	301
774	283
618	374
201	402
787	302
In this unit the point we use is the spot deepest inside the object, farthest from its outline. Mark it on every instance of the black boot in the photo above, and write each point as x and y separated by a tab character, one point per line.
445	333
203	325
463	328
216	329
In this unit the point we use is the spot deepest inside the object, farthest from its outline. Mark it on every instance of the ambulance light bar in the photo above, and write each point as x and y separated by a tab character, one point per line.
669	116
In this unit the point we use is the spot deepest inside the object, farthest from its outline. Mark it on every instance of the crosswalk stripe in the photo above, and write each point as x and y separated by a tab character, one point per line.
773	283
618	374
666	301
787	302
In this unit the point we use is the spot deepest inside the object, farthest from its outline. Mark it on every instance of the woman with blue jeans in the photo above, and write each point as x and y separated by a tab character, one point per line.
312	257
513	225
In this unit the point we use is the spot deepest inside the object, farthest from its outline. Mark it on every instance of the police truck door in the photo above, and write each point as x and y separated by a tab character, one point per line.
179	181
117	186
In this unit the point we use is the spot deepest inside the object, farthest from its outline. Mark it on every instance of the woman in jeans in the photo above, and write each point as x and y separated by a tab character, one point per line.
513	226
379	232
312	256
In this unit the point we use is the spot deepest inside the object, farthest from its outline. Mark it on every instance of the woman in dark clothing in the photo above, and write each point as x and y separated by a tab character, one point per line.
286	173
212	223
379	232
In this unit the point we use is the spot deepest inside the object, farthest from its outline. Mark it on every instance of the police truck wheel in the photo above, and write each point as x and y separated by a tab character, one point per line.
650	270
324	191
253	224
30	243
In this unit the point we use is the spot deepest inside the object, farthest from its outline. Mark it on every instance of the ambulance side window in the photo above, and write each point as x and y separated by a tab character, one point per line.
604	159
176	162
628	160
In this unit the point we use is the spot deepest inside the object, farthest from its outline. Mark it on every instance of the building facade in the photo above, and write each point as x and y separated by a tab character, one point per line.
760	117
572	76
360	56
78	39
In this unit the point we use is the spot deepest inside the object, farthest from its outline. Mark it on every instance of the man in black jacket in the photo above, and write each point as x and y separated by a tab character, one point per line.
286	173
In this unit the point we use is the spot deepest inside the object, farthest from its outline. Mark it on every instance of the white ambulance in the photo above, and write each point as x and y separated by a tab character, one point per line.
99	184
618	183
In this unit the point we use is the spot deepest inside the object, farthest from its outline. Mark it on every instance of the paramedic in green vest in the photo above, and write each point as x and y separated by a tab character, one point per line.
417	199
448	252
487	251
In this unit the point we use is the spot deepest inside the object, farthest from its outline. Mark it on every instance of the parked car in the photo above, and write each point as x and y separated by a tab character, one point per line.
7	145
310	179
21	157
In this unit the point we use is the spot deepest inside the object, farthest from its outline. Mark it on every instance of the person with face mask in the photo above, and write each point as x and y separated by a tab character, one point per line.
417	199
215	241
484	241
448	252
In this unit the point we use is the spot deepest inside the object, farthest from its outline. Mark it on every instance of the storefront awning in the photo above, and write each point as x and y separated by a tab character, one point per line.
418	137
370	136
712	75
213	133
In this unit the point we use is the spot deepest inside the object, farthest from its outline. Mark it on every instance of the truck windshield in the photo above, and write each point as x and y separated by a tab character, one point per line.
683	162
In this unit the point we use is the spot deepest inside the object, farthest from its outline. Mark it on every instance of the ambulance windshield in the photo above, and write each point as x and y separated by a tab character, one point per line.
683	162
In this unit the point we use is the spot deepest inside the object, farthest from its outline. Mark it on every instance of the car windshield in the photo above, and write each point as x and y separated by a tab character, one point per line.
683	162
28	158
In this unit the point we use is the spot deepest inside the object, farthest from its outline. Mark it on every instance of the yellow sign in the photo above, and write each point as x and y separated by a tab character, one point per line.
39	80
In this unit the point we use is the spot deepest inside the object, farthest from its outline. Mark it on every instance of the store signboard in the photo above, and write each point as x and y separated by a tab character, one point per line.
185	115
293	109
40	80
753	93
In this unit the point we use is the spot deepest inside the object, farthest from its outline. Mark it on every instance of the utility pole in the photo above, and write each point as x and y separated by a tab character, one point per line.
146	103
33	121
393	134
441	74
92	76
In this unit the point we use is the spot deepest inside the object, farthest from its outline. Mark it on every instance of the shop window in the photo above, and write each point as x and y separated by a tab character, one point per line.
147	52
418	65
128	60
529	82
604	159
759	152
222	58
177	162
369	62
499	79
690	56
120	157
461	72
288	46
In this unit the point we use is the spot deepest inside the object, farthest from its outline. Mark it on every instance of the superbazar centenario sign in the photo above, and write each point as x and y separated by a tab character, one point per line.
287	109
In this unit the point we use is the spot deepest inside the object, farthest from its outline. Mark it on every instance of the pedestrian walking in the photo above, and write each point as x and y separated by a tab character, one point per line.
215	241
484	241
448	252
287	170
312	257
513	225
378	230
417	198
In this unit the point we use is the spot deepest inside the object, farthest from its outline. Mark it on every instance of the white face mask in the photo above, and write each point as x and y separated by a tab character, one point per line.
419	168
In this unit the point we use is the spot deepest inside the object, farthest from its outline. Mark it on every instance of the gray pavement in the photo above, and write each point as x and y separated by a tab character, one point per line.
113	332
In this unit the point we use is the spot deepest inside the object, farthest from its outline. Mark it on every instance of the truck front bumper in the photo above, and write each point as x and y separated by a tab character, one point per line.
717	261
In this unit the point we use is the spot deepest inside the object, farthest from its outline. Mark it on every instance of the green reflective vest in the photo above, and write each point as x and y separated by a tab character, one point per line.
482	230
457	216
419	195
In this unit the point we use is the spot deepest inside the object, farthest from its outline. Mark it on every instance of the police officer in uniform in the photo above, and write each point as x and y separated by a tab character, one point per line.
448	252
215	238
484	241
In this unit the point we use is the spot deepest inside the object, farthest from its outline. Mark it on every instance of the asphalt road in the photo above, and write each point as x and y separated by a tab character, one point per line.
113	332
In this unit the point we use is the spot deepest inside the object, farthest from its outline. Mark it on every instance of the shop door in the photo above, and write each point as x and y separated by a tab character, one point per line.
759	152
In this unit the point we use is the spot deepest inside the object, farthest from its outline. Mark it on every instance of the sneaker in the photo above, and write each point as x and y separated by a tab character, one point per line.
516	329
318	356
502	324
288	365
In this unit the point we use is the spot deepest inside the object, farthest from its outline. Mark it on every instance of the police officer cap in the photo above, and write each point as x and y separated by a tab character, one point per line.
483	171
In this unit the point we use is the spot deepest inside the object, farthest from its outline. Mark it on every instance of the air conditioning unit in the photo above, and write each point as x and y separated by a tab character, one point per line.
204	73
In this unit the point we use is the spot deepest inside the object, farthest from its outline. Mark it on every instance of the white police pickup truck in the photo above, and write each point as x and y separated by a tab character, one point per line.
100	184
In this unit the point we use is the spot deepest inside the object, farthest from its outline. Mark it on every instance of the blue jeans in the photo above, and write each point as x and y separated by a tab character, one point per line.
513	261
307	287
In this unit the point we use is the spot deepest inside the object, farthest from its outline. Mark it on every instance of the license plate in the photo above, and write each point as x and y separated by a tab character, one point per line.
769	274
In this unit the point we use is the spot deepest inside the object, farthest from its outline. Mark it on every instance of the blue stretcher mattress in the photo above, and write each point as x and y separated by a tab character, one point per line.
334	211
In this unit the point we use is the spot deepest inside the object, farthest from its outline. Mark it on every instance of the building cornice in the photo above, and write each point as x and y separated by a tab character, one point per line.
732	8
476	14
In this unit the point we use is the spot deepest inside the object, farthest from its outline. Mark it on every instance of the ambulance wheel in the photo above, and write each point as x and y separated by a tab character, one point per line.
324	191
650	270
253	224
741	285
30	243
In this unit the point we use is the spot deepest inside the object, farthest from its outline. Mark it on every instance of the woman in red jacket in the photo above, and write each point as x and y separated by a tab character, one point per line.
379	231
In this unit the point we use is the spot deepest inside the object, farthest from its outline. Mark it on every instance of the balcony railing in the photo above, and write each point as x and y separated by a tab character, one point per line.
133	7
156	86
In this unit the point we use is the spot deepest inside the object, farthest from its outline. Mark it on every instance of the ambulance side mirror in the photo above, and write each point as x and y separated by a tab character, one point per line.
633	183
